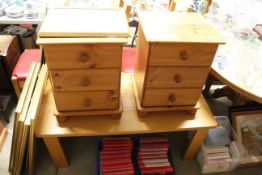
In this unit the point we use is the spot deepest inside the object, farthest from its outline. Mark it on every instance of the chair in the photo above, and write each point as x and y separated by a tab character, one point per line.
171	5
22	67
128	59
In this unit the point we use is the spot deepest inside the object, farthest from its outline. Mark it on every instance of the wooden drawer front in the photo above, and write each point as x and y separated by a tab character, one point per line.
170	77
170	97
91	100
182	54
85	79
65	56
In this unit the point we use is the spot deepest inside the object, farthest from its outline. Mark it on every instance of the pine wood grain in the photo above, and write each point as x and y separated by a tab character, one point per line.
18	111
3	135
144	111
195	143
22	98
55	149
89	100
176	77
85	79
22	127
189	27
172	5
70	56
114	113
16	86
54	41
171	54
142	59
171	97
33	112
84	23
166	72
129	123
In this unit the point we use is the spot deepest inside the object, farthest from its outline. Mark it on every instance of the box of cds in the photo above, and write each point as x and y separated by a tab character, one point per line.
221	151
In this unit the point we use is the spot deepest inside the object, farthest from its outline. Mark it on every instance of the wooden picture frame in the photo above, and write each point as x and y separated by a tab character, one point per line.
247	123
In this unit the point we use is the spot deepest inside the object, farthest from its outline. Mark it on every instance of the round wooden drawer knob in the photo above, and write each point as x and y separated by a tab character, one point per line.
183	56
112	95
56	74
57	87
172	98
86	82
87	103
84	58
178	78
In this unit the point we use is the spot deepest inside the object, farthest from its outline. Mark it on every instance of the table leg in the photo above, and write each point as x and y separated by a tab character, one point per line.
56	151
195	143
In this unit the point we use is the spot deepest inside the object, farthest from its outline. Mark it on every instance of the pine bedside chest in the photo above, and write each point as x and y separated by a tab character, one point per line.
174	55
83	51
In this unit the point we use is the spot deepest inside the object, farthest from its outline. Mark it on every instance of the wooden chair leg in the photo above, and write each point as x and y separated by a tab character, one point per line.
172	6
16	86
3	135
121	3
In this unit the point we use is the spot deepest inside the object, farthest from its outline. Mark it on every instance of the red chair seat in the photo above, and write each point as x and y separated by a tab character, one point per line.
128	59
24	62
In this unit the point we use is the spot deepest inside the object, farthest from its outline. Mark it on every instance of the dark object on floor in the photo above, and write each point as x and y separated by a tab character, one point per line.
135	24
236	98
209	82
5	106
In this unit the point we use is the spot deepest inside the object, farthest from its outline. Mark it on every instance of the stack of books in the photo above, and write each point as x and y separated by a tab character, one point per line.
214	159
153	156
215	154
116	156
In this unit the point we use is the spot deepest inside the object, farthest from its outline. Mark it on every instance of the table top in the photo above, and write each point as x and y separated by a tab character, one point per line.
84	23
238	63
129	123
239	66
178	27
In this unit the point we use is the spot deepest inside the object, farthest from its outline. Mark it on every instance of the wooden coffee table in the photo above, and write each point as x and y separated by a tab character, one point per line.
50	130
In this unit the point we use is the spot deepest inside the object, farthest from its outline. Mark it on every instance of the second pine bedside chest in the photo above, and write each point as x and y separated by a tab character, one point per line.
174	54
83	51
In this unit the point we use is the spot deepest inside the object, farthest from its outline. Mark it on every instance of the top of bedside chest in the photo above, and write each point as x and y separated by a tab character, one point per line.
84	23
178	27
5	41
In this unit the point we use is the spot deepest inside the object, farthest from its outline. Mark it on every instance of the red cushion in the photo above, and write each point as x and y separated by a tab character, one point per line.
128	59
24	62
